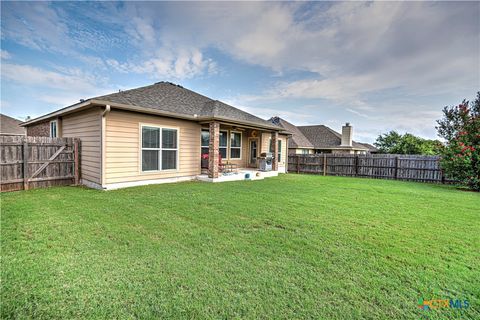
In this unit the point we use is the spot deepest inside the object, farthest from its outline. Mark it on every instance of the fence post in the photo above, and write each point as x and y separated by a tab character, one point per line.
396	168
25	165
324	164
356	165
76	163
298	164
442	172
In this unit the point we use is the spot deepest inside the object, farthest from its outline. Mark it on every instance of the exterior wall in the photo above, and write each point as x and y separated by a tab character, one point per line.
300	151
265	147
340	151
243	161
343	152
87	126
123	149
245	151
41	129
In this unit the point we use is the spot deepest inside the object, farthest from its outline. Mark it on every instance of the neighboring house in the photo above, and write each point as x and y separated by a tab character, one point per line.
326	140
371	148
160	133
11	126
298	143
321	139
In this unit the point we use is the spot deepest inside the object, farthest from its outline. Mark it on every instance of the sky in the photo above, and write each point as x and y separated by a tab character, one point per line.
379	65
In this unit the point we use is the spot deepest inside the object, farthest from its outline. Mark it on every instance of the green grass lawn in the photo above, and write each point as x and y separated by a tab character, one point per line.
295	246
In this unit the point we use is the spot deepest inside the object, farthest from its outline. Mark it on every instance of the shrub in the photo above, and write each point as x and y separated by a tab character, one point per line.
460	127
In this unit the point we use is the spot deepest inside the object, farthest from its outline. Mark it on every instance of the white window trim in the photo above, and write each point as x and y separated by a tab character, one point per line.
227	147
207	146
279	149
230	146
160	170
280	141
56	128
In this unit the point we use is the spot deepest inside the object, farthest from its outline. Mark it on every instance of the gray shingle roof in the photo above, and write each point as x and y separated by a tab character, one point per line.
370	147
9	125
169	97
323	137
297	140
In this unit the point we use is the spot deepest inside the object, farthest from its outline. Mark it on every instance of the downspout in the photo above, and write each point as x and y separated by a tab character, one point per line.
286	154
104	126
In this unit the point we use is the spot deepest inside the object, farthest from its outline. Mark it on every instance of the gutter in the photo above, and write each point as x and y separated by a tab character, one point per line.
53	114
95	102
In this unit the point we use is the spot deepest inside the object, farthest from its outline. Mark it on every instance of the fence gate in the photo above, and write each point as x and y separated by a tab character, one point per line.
38	162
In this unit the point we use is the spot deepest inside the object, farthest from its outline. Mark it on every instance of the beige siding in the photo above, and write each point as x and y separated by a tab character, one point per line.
265	143
242	162
86	125
300	151
284	149
122	147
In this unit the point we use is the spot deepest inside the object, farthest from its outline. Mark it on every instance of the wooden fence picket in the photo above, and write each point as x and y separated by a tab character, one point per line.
380	166
53	161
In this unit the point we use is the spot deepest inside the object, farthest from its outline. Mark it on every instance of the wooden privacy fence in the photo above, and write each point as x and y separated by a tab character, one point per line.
381	166
37	162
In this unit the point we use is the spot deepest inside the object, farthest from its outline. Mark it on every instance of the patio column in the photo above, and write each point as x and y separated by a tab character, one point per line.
275	150
213	152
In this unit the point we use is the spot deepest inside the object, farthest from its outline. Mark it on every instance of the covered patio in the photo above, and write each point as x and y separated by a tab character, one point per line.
240	174
231	152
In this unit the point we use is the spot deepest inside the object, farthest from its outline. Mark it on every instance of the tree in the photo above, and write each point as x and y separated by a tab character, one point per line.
395	143
460	127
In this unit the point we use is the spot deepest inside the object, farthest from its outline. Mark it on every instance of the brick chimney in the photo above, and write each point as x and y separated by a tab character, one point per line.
347	133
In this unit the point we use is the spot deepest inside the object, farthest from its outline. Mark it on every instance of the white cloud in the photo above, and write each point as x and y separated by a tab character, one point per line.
351	50
361	48
4	55
35	25
29	75
66	86
182	65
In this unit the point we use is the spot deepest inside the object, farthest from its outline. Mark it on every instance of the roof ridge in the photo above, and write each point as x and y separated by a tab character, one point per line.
121	91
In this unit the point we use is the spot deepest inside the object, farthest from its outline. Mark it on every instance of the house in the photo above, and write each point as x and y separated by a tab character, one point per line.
371	148
321	139
160	133
298	143
11	126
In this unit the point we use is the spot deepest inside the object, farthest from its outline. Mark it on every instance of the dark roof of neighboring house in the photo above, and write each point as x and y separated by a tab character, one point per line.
298	140
370	147
9	125
170	100
322	137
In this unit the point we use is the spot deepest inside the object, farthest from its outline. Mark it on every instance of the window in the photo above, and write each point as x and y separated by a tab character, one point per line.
279	151
53	129
304	151
235	145
279	154
205	142
159	148
223	144
169	149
